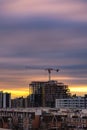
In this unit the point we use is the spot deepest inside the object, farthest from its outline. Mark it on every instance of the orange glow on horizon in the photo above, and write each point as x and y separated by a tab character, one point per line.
17	93
80	91
23	89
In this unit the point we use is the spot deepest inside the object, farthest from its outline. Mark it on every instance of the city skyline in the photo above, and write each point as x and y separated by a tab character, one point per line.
43	33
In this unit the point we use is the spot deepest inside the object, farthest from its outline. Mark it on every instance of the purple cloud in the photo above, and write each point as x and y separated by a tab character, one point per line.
43	33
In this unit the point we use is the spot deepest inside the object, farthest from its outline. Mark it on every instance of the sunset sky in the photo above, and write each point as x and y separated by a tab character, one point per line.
43	33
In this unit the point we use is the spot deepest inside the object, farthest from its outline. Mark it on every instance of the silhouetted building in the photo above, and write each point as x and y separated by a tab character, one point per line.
26	102
18	102
45	93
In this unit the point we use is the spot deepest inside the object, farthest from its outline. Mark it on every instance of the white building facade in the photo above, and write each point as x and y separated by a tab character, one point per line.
6	100
74	102
1	99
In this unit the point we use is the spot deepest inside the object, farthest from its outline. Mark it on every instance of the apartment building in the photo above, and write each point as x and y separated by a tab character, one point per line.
73	102
5	100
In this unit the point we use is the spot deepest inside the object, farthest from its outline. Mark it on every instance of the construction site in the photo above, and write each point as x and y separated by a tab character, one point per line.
44	93
41	113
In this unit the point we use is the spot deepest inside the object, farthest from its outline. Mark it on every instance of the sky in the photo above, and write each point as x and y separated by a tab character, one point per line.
43	33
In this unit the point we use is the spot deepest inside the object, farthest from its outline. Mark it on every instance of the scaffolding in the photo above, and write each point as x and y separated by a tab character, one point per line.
45	93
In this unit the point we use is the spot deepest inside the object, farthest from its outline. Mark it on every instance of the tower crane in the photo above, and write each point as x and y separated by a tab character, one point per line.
49	71
43	68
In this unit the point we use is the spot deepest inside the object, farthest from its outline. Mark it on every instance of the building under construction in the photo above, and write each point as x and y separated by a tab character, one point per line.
45	93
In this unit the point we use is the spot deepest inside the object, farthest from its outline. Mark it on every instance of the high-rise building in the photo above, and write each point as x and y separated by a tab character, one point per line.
1	99
45	93
6	100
